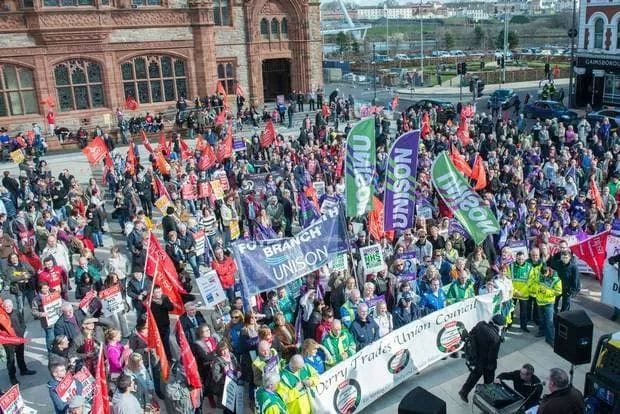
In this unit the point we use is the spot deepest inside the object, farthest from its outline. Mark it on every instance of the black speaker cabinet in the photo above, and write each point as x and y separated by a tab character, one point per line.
573	337
420	401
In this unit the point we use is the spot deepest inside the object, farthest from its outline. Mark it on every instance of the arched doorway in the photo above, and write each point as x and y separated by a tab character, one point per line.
276	78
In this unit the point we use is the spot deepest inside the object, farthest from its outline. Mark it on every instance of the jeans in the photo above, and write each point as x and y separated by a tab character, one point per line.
545	313
27	294
97	238
193	262
565	297
230	294
49	337
191	205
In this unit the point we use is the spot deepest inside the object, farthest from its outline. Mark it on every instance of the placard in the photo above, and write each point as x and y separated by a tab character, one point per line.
232	397
218	191
52	304
86	379
235	231
66	388
162	203
11	401
17	156
239	145
200	240
411	263
339	263
319	186
372	259
211	289
372	304
329	205
86	300
112	300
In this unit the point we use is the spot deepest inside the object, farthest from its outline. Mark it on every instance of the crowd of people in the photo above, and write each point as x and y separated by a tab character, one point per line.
53	229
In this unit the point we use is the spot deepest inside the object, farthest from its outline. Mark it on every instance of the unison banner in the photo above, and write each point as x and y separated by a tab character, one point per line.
360	167
267	264
476	218
610	285
399	199
348	387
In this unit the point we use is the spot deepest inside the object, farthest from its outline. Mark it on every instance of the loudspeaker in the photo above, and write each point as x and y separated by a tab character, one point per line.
420	401
573	337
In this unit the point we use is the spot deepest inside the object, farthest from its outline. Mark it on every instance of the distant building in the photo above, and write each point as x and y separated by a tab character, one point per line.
400	13
597	65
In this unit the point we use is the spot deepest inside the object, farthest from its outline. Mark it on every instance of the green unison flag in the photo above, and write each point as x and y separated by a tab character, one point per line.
360	167
466	205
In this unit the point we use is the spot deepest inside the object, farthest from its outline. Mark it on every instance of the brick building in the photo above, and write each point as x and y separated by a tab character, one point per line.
597	66
89	55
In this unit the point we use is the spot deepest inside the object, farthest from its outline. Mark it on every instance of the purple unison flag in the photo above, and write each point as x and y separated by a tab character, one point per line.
399	198
307	210
263	232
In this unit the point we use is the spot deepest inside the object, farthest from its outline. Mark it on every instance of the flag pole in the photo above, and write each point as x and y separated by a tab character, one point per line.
346	229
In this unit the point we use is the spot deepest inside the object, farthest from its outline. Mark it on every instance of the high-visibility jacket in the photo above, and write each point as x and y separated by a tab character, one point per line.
268	402
298	400
534	273
521	280
546	289
339	345
456	292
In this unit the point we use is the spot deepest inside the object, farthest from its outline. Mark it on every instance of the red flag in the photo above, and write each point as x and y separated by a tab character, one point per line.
595	194
109	163
479	174
200	143
376	221
145	141
161	268
207	158
220	118
131	103
220	88
459	162
132	161
593	251
96	150
5	322
425	127
185	151
187	358
101	399
269	135
162	164
239	91
163	143
225	147
161	188
153	341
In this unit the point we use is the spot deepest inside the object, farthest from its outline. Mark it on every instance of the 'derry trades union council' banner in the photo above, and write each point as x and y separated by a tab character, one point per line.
366	376
267	264
361	156
399	198
466	205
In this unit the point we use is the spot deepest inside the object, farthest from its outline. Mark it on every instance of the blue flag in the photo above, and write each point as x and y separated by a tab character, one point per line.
263	233
307	211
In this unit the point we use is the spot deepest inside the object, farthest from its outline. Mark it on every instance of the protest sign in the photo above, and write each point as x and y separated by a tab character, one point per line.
239	145
235	231
411	261
610	287
396	357
329	204
211	289
17	156
52	304
372	259
424	209
372	304
267	264
86	379
218	191
86	300
232	397
11	401
339	263
319	187
66	388
201	241
162	203
112	300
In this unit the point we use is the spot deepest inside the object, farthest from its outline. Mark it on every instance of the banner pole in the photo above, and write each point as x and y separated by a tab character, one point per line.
350	252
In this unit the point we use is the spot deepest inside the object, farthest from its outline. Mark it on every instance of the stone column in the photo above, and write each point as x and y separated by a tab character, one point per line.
255	63
203	30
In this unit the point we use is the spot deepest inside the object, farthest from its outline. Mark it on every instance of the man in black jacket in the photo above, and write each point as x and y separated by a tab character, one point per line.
525	383
160	307
191	320
486	337
565	264
169	223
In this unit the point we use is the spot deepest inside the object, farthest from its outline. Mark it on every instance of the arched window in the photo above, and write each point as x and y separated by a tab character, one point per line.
226	75
151	79
17	95
79	85
284	27
618	34
599	33
275	28
221	13
264	28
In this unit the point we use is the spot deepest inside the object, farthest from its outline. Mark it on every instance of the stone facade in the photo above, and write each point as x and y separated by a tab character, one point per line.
111	33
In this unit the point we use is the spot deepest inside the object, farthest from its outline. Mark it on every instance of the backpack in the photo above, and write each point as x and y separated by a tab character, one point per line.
470	349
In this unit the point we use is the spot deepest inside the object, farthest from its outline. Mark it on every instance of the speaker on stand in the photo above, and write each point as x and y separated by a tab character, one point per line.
573	338
420	401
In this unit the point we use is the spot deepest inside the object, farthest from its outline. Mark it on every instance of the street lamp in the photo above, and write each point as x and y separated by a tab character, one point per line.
387	29
374	73
505	44
421	45
572	33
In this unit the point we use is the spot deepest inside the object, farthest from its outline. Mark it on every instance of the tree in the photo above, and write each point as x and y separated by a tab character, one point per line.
448	39
513	39
479	34
342	41
355	46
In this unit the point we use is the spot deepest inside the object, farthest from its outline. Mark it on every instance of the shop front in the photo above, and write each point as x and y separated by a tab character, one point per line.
597	80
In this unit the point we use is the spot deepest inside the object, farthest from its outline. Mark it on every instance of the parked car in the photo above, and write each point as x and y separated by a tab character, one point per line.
459	53
548	110
383	58
597	116
507	98
499	53
445	109
401	57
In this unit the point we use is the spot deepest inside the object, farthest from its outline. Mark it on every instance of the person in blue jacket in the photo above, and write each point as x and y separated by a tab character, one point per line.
433	300
58	372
